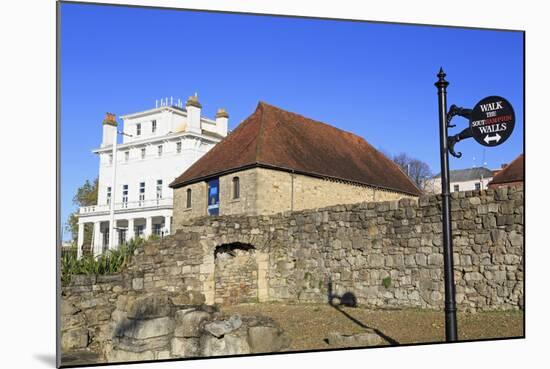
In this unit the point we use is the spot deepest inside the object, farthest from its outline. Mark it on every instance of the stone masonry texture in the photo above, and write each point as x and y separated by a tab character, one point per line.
267	191
386	254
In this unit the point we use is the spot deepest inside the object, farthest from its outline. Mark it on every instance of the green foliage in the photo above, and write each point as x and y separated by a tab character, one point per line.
113	261
85	195
386	282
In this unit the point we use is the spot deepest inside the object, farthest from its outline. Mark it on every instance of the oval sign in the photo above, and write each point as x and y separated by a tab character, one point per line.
492	121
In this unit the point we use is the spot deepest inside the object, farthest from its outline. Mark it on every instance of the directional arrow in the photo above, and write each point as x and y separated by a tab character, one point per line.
488	138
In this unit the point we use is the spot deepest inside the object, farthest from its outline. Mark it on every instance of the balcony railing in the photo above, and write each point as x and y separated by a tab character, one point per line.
128	205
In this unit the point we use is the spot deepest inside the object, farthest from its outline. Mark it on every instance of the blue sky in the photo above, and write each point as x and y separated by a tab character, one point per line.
375	80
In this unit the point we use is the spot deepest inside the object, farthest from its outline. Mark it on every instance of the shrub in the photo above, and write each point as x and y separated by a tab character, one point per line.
113	261
386	282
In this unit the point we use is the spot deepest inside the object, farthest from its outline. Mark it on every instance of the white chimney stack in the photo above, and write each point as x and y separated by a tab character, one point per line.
109	128
193	107
222	119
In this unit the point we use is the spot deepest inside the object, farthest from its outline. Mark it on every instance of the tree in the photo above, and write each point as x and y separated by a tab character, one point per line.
85	195
417	170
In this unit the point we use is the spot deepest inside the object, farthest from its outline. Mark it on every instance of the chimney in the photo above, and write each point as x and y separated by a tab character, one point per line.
502	166
193	114
222	118
109	128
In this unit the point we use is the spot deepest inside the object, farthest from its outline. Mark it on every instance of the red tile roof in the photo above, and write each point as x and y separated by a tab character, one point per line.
513	172
278	139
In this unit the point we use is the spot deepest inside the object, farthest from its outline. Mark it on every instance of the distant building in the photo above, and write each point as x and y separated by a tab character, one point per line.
462	180
157	145
277	161
510	175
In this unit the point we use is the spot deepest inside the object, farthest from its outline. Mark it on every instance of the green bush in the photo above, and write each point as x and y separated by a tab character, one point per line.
386	282
113	261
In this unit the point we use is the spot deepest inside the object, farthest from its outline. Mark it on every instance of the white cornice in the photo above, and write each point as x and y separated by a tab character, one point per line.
154	111
156	139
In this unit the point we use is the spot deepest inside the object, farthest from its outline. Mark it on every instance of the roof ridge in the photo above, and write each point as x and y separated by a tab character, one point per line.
274	107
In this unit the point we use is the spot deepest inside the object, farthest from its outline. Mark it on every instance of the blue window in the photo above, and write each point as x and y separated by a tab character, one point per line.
213	197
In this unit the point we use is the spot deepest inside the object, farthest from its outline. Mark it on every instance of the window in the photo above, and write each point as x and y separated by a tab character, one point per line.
121	236
157	229
178	147
143	153
188	198
478	186
141	192
110	158
456	188
159	150
154	126
126	156
236	188
138	129
159	189
124	196
138	230
108	195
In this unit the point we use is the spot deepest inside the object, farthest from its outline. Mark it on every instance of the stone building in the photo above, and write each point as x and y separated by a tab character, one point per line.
511	175
278	161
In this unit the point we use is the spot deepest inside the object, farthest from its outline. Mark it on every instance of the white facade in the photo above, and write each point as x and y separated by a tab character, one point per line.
461	180
157	146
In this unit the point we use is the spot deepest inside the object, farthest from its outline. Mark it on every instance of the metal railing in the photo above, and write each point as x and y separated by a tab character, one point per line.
148	203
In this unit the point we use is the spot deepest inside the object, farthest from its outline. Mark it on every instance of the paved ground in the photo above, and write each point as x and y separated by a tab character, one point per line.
309	325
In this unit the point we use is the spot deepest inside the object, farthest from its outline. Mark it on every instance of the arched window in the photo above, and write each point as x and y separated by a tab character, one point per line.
236	188
188	198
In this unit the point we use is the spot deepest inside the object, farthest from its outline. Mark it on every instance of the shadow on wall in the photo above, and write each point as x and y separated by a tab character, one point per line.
232	249
348	299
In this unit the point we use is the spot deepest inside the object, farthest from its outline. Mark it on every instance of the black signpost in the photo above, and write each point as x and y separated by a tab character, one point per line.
491	123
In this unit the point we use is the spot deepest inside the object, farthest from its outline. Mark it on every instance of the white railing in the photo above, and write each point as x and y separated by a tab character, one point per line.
149	203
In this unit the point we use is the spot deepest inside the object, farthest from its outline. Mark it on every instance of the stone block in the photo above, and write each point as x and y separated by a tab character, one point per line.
435	259
188	324
68	308
185	347
367	339
149	306
137	283
229	344
74	339
187	298
143	329
222	327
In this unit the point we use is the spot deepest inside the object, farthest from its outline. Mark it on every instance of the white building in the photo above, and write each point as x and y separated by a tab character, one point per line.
157	145
462	180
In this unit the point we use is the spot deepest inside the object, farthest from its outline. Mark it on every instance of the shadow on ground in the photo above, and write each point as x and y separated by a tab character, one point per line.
348	299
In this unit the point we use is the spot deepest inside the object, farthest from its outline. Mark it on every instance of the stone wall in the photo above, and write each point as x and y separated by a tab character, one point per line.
267	191
387	254
113	318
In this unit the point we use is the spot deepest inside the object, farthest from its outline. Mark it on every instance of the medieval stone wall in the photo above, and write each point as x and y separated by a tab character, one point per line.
387	254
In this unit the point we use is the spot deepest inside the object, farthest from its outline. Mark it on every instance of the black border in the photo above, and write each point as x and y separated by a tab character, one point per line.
59	227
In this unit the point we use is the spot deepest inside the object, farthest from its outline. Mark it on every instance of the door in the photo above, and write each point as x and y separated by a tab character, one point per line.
214	197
